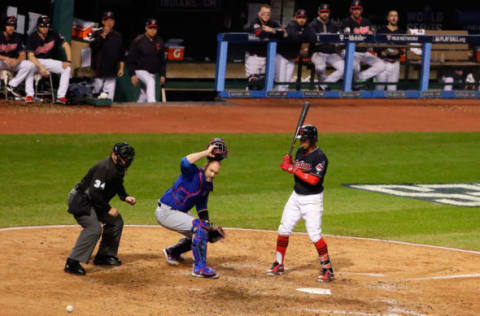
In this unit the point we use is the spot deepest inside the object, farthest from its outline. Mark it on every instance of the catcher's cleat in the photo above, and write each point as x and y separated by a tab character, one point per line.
276	269
172	260
205	272
326	276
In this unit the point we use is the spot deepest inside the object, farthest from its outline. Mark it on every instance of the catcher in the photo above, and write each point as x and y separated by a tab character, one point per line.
192	188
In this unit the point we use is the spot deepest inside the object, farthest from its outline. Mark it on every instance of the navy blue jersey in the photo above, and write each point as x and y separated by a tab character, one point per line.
297	35
147	54
256	27
320	27
389	55
44	48
189	190
362	26
314	163
11	46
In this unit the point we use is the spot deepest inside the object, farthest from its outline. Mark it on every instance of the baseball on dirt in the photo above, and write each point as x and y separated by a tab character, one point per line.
69	308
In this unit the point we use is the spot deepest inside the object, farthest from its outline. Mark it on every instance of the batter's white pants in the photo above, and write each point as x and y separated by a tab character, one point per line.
106	85
320	60
23	69
308	207
283	71
376	66
390	74
254	65
56	67
147	86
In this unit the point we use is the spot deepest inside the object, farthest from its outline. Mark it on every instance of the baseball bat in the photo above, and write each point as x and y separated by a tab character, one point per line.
301	119
164	96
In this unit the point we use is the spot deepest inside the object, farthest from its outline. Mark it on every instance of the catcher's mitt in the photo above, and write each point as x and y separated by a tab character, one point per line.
215	233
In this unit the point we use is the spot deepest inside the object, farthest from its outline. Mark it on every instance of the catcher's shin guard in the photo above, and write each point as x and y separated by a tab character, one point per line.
199	249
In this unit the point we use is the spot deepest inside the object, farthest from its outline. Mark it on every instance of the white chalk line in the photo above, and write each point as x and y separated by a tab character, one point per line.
269	231
392	311
443	277
315	290
375	275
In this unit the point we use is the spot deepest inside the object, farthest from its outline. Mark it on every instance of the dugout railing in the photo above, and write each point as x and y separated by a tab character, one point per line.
350	41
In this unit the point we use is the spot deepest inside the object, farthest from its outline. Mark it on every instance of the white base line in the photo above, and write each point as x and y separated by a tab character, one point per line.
458	276
268	231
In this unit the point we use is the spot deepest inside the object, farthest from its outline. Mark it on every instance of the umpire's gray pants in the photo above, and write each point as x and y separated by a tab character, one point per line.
92	229
175	220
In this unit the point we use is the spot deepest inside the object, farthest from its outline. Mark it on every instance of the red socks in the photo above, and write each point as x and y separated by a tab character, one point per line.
282	244
322	250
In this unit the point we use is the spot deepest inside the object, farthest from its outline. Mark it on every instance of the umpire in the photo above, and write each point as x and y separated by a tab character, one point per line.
107	56
88	202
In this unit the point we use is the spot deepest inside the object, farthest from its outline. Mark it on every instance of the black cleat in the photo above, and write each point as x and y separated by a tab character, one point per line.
74	267
13	91
101	260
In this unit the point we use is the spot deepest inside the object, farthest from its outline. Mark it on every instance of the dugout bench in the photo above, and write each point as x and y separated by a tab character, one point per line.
350	41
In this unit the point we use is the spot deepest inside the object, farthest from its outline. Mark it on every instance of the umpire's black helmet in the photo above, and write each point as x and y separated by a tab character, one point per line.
308	132
125	151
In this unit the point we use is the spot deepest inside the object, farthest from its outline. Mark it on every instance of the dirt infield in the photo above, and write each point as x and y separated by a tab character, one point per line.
372	277
394	279
246	116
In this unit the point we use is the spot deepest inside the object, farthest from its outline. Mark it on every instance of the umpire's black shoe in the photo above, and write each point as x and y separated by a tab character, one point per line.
101	260
74	267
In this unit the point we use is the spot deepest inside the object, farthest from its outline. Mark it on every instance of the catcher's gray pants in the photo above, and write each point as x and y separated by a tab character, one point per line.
175	220
92	229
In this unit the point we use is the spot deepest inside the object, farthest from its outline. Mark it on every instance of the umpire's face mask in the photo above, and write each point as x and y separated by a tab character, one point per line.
122	163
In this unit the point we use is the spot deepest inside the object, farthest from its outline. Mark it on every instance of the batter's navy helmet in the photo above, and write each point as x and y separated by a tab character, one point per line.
43	21
126	152
220	151
308	132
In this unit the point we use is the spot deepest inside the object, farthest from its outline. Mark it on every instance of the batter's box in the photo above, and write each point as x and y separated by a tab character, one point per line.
457	194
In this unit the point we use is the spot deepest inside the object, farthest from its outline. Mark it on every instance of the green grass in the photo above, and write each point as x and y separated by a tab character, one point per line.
37	172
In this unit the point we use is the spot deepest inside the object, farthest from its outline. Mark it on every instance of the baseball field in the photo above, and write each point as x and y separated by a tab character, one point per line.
401	215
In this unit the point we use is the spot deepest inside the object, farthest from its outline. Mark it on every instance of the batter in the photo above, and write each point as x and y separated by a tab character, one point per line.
306	201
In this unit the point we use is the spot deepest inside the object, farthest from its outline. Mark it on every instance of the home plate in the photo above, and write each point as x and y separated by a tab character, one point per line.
315	290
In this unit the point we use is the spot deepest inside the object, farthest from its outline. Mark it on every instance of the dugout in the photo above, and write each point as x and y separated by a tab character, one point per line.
199	21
